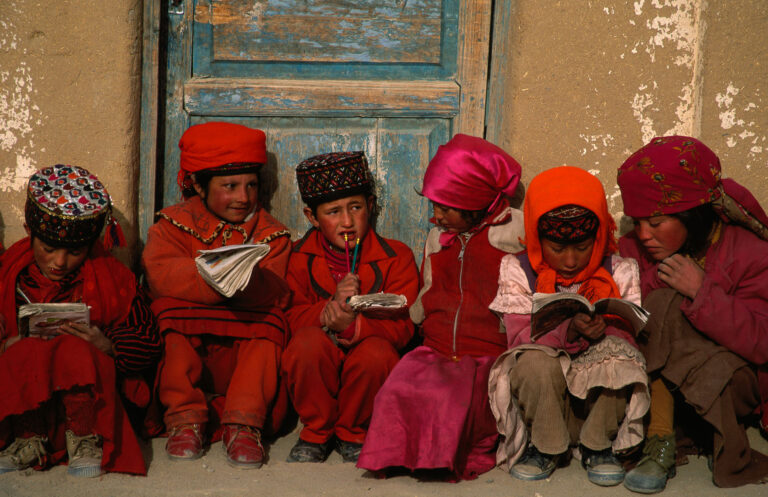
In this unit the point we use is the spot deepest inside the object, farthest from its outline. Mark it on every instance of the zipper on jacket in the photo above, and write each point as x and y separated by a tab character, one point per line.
461	292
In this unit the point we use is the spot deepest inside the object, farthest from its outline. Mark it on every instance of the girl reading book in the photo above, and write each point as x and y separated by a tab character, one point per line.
701	244
583	383
61	391
432	412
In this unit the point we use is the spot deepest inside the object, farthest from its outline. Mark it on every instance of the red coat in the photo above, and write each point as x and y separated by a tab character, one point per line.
185	303
731	307
385	266
34	371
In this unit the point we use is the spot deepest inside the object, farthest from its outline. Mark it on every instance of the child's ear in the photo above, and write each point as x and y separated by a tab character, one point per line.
311	217
199	189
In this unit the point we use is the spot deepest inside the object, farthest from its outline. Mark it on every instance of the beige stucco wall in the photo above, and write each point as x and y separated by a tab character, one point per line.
70	73
586	83
576	82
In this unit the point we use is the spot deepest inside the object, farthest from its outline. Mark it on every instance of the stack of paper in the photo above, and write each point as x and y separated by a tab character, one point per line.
228	269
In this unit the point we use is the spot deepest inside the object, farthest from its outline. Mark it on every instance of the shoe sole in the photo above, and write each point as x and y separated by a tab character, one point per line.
649	490
87	472
529	477
244	465
184	458
606	480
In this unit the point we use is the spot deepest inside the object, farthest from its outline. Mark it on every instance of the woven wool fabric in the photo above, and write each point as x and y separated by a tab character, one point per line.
328	177
66	206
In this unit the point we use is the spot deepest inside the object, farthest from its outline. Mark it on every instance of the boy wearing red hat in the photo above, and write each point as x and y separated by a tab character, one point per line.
337	359
226	349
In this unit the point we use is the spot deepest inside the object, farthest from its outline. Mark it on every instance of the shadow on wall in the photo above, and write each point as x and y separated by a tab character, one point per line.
268	182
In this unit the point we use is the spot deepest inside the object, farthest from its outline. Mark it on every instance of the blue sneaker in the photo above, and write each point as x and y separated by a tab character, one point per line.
603	468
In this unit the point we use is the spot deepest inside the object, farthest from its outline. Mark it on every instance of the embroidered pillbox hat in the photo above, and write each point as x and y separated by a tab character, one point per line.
220	148
568	224
67	206
328	177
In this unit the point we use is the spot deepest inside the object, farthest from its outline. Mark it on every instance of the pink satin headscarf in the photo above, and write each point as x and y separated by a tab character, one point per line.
470	173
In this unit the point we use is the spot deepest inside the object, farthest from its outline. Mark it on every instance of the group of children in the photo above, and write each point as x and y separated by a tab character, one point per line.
475	392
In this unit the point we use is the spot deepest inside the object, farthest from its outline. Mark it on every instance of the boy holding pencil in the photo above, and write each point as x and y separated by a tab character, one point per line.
336	359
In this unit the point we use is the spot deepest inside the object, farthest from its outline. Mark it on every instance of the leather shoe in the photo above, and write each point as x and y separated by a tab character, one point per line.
243	445
185	442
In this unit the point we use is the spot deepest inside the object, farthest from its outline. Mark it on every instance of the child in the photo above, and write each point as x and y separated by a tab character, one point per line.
59	393
337	359
583	382
701	243
227	347
432	412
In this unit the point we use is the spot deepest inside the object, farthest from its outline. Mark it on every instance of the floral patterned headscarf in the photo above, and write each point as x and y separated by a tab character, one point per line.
673	174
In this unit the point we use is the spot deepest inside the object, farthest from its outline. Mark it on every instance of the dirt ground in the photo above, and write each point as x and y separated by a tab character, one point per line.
212	476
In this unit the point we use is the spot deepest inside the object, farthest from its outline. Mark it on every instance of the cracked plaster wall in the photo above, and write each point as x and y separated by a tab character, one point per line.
586	83
70	75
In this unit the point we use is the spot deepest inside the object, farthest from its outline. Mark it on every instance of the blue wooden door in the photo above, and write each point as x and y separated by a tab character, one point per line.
394	78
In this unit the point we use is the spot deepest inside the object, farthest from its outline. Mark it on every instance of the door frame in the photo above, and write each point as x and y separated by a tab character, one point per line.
474	33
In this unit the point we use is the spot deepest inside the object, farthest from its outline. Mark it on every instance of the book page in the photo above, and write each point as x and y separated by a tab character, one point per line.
43	320
548	315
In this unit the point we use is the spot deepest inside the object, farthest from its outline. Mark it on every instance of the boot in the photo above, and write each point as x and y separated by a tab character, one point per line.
84	455
657	465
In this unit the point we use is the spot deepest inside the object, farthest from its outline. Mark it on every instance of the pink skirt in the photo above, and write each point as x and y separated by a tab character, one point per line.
433	413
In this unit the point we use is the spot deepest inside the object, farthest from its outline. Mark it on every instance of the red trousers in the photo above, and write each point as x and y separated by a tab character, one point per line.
333	389
245	371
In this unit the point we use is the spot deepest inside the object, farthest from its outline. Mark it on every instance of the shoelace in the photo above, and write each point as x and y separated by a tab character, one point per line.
86	446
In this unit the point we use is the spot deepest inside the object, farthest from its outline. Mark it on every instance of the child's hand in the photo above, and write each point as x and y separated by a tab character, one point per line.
348	286
582	325
337	316
90	334
682	274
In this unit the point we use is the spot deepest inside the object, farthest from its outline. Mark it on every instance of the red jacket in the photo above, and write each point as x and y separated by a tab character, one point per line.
458	284
186	303
731	307
385	266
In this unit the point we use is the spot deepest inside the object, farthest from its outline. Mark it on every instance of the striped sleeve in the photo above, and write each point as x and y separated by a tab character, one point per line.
136	341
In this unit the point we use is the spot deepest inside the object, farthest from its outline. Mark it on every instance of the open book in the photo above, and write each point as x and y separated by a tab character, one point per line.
551	309
380	302
228	269
42	320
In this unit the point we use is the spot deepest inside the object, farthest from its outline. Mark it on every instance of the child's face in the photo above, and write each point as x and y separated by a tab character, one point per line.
57	262
567	259
232	198
450	219
661	236
349	215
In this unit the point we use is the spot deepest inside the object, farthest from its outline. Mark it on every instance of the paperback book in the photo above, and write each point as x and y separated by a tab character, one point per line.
228	269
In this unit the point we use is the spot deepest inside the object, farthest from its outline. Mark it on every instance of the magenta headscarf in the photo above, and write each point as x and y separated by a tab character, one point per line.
470	173
672	174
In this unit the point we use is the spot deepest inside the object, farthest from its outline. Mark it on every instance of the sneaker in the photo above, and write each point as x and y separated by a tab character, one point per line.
349	451
23	453
655	468
185	442
533	465
603	468
304	451
243	446
84	455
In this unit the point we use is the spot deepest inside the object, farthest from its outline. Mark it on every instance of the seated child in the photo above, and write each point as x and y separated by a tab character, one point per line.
224	348
59	392
337	359
433	412
583	382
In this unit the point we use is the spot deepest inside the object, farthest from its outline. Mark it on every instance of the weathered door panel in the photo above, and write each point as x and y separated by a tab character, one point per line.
394	78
